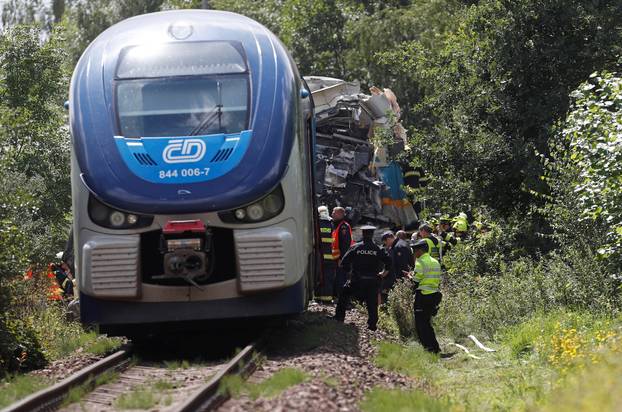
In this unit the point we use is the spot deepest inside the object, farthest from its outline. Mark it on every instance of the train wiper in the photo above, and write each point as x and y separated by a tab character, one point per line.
210	116
208	120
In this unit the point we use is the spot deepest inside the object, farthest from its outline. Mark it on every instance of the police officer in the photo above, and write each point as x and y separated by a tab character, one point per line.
401	259
446	235
325	286
427	279
434	244
366	261
461	227
341	243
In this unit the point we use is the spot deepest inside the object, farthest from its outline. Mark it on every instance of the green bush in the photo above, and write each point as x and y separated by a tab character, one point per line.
487	289
400	307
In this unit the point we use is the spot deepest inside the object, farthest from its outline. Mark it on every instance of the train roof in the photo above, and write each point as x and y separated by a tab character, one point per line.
240	171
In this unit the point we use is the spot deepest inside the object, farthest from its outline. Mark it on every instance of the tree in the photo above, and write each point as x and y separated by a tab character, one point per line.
84	20
34	148
587	159
313	32
25	12
494	87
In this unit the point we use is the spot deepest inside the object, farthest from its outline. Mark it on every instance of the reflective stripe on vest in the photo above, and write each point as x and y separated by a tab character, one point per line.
326	239
427	274
432	248
336	251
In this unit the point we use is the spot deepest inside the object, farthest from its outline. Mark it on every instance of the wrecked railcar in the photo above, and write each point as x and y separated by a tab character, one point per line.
360	153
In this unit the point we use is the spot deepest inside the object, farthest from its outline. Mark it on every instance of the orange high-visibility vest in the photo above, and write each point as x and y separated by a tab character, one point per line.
336	250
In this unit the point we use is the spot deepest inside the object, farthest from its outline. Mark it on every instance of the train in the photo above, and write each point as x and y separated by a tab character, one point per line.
192	174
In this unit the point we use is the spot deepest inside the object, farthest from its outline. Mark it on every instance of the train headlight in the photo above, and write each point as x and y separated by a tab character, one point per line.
255	211
240	214
264	209
104	215
273	204
117	219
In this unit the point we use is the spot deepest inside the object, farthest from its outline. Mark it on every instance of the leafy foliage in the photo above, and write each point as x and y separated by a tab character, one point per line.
34	149
590	144
34	175
494	85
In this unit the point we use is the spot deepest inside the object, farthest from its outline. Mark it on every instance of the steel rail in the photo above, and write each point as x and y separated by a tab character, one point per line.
50	398
211	395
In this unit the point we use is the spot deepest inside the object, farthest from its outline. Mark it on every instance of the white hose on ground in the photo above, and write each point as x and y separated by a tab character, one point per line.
480	345
465	350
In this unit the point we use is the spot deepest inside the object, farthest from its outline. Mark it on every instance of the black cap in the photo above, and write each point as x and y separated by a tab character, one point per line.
387	234
419	244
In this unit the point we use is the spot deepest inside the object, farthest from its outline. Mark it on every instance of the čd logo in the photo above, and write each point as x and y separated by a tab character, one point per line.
184	151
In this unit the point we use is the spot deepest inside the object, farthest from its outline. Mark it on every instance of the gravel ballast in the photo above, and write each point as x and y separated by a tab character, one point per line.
337	357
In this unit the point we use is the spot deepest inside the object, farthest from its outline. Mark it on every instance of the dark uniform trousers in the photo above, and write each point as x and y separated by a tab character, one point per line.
365	259
339	279
365	289
426	306
345	241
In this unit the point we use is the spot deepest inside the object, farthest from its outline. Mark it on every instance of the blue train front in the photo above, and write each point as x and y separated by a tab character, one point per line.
191	173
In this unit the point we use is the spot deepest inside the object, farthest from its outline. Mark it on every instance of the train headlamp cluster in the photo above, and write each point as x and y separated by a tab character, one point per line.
262	210
106	216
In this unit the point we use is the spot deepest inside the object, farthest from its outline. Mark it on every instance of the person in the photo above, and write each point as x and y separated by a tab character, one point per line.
341	243
427	278
63	278
368	264
401	260
67	255
461	226
434	244
400	234
415	236
324	290
446	235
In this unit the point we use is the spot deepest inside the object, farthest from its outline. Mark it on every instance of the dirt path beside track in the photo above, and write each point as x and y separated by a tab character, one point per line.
337	359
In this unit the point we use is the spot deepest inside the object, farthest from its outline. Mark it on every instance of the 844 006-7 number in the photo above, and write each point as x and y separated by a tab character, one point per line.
173	173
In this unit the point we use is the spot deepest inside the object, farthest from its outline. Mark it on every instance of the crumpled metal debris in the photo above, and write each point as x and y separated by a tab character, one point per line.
352	168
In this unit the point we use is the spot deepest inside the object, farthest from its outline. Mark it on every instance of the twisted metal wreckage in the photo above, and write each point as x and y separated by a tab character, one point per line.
359	153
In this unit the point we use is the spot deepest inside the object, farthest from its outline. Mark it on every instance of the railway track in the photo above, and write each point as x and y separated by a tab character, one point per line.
183	388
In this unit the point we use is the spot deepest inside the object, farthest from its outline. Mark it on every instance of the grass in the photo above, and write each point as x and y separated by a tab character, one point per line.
102	345
496	382
386	400
594	390
555	361
76	394
162	385
147	396
409	360
176	364
139	398
60	338
17	387
330	381
268	388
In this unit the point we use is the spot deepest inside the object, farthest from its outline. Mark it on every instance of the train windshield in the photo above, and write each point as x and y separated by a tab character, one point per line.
182	106
182	89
